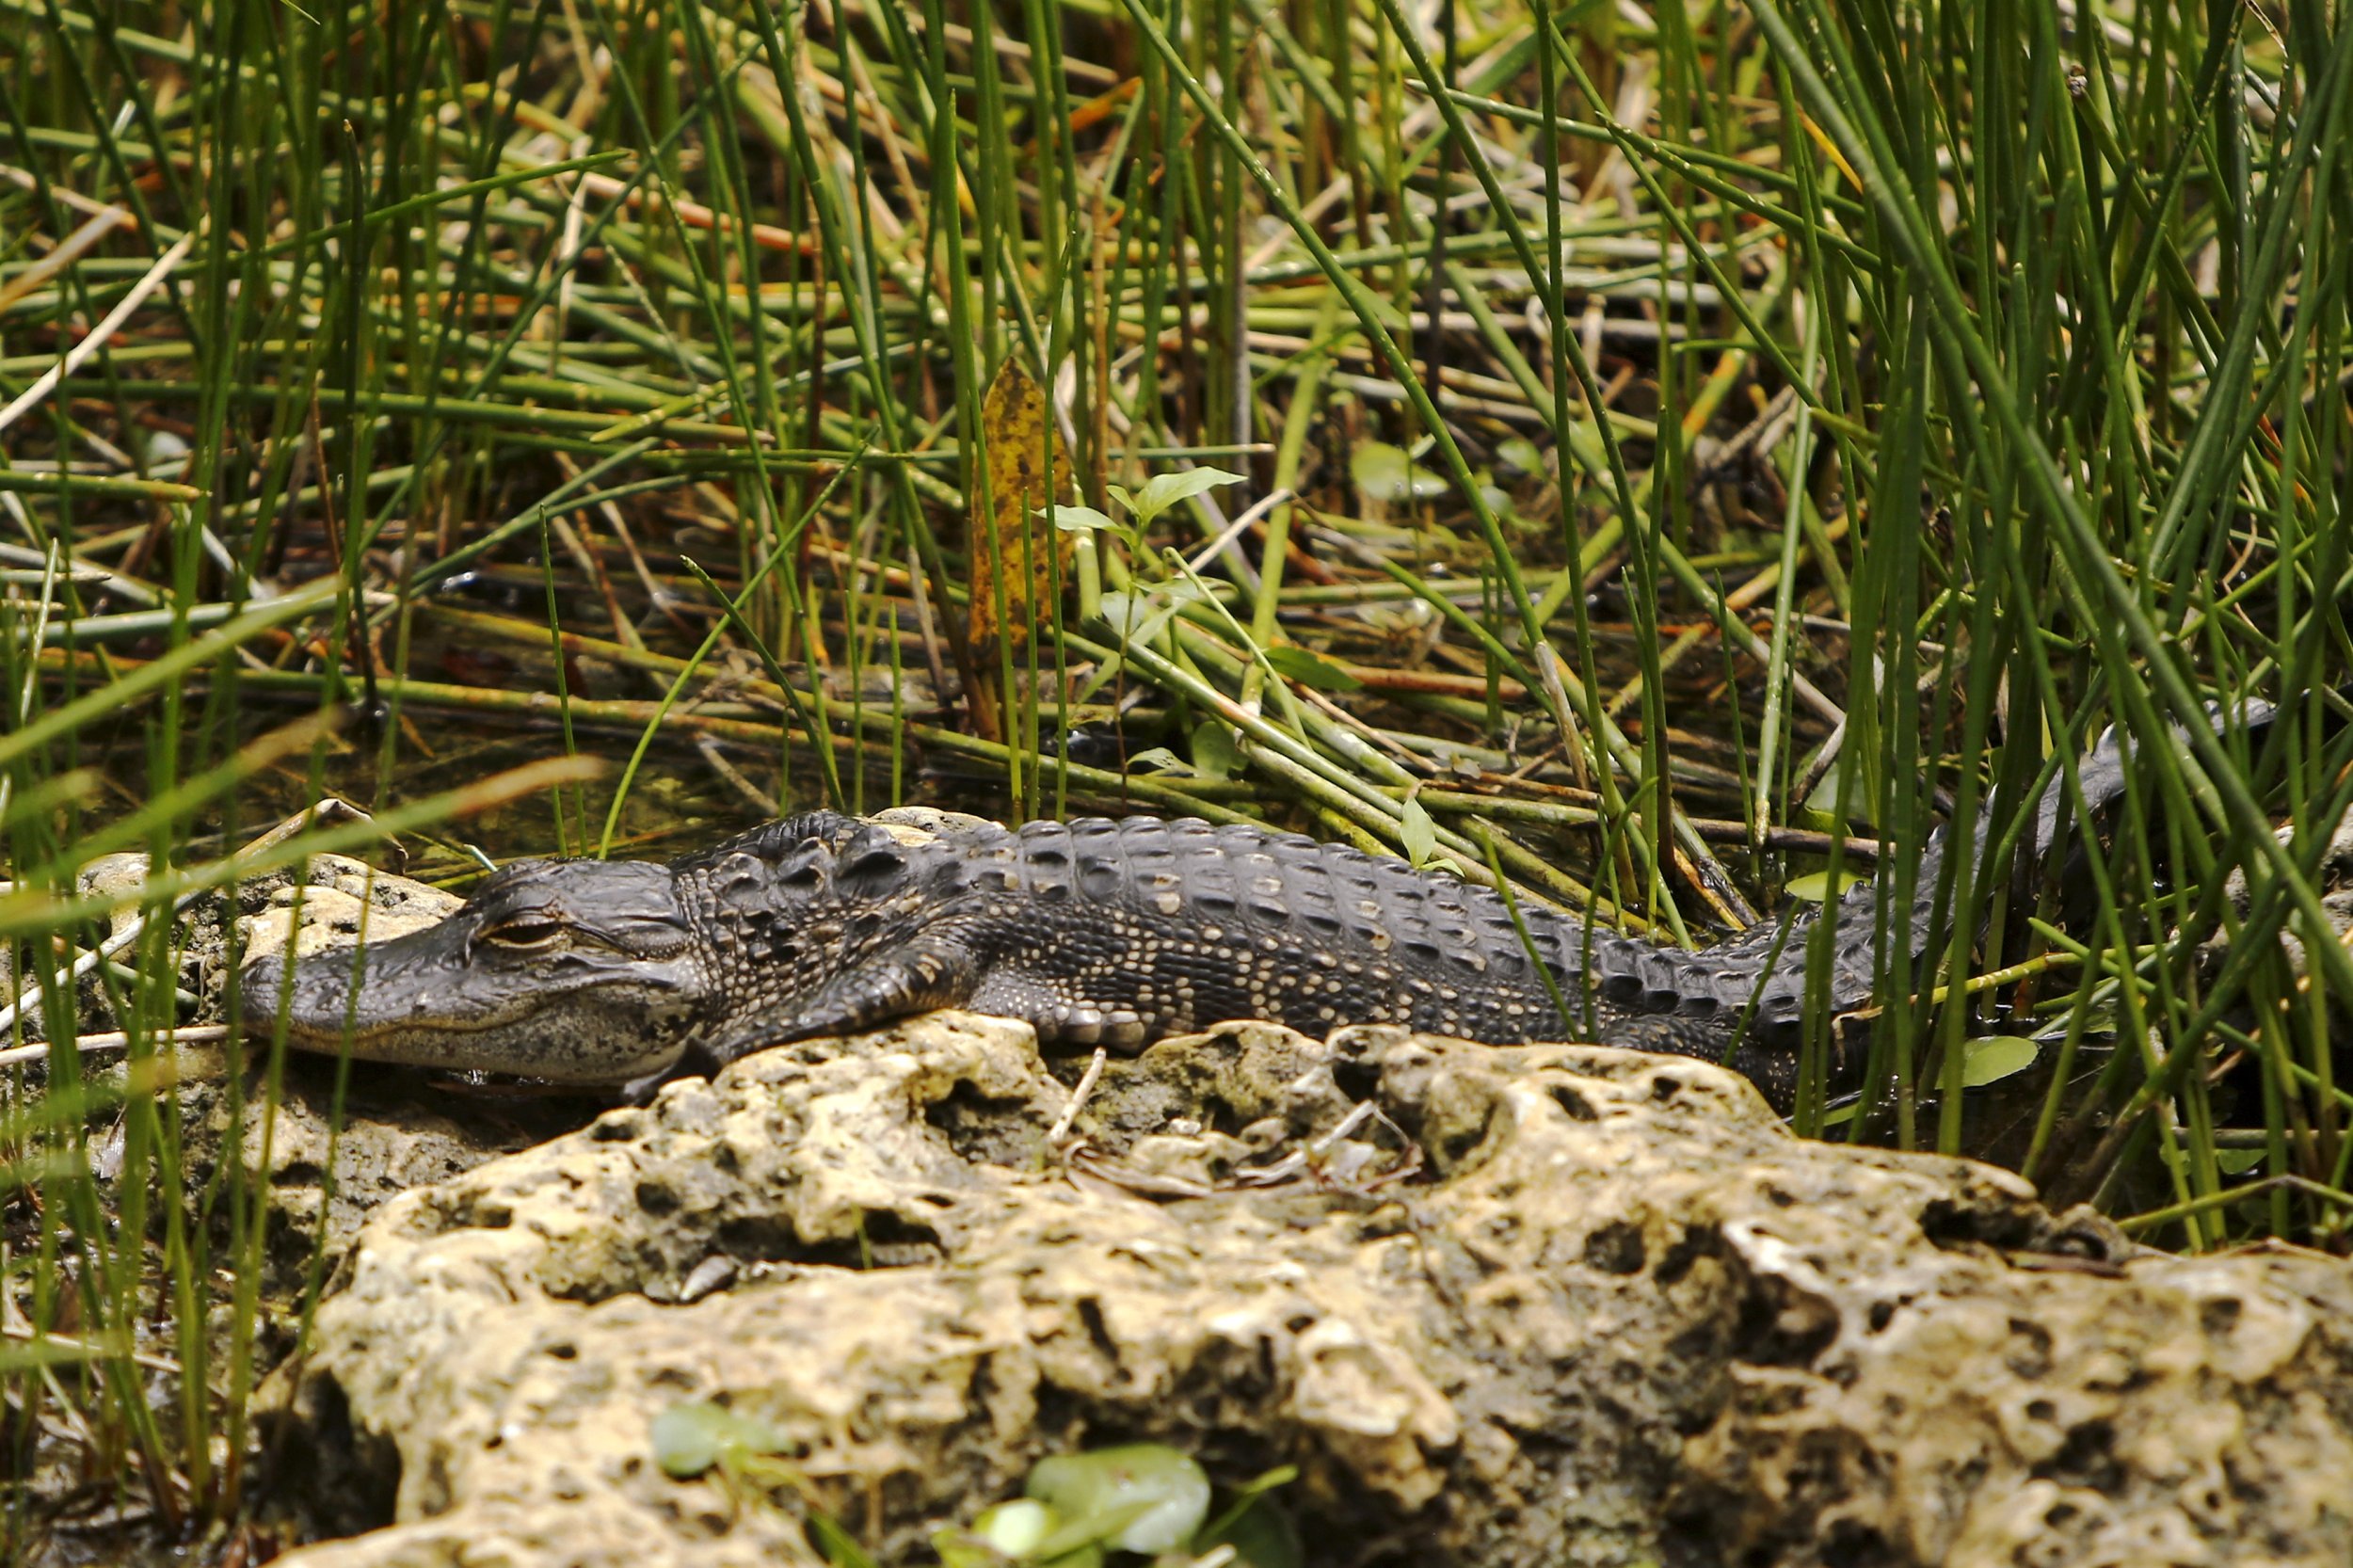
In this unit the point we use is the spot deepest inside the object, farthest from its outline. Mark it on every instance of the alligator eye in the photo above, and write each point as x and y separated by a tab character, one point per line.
525	933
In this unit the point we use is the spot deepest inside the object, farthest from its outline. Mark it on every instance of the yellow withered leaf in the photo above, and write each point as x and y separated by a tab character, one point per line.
1016	555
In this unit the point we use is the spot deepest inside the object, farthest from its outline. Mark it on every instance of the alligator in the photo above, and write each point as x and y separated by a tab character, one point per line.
1112	932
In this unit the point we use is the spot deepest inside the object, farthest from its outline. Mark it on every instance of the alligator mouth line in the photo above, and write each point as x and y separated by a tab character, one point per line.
331	1037
315	1028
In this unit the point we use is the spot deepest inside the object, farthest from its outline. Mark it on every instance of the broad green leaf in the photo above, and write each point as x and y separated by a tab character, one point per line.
1214	754
1163	1493
1385	473
1815	885
1994	1057
1822	802
1158	759
1309	669
1521	453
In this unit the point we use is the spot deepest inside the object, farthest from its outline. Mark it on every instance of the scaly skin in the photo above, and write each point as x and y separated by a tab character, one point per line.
1096	930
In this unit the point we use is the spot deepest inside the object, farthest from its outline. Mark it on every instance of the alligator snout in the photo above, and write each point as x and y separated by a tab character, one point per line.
318	1006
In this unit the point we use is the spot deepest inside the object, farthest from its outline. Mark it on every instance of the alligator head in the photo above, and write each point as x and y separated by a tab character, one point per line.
576	971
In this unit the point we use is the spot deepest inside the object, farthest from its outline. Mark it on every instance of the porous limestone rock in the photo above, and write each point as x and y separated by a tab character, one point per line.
332	902
1619	1315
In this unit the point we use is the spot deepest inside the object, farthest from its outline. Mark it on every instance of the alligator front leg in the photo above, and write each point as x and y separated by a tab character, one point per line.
932	971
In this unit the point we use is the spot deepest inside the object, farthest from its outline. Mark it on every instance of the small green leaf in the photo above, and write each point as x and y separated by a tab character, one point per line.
1158	759
1078	519
1141	616
1994	1057
957	1548
1385	473
1310	670
1255	1524
1120	494
1015	1527
1815	886
1170	1489
1585	447
1521	453
1164	490
1138	616
1418	832
2239	1162
1822	800
837	1545
1214	753
1123	612
1380	469
689	1439
1261	1534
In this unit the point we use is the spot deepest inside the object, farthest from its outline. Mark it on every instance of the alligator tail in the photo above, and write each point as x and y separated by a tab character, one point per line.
1756	981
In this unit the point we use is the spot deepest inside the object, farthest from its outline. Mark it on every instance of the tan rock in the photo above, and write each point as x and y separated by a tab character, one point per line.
339	901
1623	1316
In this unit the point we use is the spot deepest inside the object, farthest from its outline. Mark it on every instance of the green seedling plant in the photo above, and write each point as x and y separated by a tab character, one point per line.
1142	1499
1144	507
698	1438
1139	612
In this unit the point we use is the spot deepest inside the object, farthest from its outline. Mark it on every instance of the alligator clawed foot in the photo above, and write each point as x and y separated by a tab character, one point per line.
641	1091
697	1061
